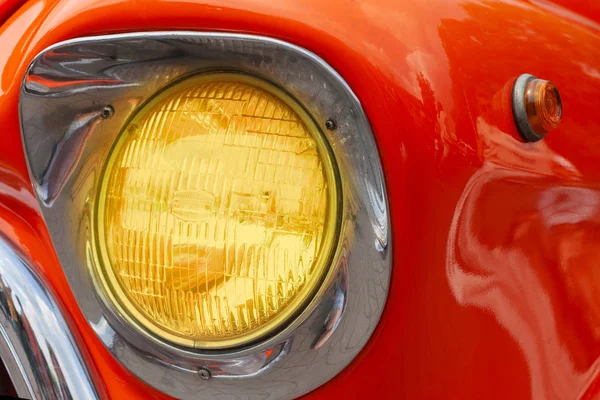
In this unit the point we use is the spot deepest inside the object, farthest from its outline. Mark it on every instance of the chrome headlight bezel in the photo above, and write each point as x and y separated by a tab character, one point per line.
67	137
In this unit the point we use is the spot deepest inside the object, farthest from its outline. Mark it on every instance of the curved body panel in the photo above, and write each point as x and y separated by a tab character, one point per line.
494	288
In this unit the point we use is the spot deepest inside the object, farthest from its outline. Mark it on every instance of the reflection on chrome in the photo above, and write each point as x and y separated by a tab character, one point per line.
339	305
37	347
539	263
65	156
252	365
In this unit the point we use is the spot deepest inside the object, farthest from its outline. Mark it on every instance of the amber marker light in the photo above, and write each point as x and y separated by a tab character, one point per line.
537	108
218	214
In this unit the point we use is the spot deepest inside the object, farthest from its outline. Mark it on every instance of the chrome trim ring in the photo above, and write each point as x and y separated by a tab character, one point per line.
67	133
37	347
520	109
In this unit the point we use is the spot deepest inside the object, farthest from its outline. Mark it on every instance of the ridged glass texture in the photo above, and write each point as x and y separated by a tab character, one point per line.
215	212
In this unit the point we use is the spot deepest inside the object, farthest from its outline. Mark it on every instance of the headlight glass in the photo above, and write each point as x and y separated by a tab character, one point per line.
218	212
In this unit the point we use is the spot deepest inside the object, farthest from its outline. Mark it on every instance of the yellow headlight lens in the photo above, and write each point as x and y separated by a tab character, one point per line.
218	213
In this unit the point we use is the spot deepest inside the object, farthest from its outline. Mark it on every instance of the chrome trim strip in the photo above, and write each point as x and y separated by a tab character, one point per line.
37	347
67	140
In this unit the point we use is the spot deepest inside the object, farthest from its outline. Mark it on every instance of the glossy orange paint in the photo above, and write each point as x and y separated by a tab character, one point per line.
495	290
7	7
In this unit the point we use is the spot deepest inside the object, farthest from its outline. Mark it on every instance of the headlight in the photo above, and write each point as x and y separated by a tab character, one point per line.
217	204
218	211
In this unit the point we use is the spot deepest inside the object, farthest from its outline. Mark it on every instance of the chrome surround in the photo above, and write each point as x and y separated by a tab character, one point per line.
67	138
37	346
520	109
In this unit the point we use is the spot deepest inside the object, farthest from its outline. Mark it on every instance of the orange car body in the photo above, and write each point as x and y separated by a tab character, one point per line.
495	283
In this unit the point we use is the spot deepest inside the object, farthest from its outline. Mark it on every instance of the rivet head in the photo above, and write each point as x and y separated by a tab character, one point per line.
107	111
330	124
204	374
537	107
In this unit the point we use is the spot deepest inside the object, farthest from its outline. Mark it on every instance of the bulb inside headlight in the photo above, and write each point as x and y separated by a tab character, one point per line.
218	213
